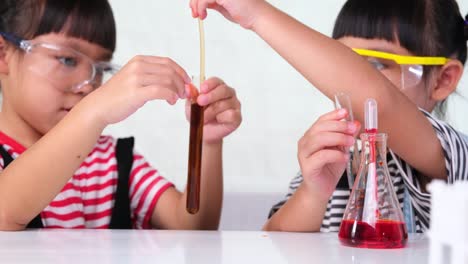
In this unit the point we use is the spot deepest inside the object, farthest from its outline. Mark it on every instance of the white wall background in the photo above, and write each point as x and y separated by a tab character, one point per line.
278	104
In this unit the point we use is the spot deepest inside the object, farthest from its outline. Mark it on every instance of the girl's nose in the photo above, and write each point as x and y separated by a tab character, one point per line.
84	88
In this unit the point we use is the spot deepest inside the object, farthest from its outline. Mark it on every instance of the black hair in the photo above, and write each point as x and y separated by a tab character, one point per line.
423	27
91	20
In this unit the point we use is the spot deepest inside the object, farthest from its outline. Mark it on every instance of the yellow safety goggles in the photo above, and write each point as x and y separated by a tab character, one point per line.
403	71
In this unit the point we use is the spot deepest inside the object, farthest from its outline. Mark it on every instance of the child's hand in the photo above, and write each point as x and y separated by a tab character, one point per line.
323	151
222	109
243	12
142	79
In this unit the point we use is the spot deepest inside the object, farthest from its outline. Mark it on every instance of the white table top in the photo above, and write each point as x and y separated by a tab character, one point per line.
156	246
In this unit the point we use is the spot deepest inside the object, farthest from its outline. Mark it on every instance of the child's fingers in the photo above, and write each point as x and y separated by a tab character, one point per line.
193	7
188	105
221	92
193	92
202	6
309	146
213	110
334	115
230	116
162	69
210	84
167	62
358	128
333	126
205	87
172	82
164	79
222	11
321	158
156	92
188	93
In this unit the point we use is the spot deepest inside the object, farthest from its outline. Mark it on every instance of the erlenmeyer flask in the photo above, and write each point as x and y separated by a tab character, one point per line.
373	217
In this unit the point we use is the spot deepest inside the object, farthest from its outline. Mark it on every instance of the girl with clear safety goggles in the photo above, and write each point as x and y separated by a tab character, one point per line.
395	36
403	71
64	67
59	92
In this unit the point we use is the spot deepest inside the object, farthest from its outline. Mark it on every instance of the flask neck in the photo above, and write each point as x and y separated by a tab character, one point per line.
374	148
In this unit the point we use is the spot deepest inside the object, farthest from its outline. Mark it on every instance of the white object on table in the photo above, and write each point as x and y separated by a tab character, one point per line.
158	246
449	223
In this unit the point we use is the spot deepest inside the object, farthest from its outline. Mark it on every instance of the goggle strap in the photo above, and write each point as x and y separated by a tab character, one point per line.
11	38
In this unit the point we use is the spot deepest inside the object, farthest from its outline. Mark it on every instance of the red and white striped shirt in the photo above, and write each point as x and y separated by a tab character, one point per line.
87	199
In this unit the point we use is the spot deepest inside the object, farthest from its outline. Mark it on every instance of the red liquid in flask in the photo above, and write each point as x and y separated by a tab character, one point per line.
386	234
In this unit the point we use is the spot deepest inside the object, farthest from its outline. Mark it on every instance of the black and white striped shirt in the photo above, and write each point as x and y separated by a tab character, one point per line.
405	180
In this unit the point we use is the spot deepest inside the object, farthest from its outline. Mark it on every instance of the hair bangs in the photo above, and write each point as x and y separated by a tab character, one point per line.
393	21
89	20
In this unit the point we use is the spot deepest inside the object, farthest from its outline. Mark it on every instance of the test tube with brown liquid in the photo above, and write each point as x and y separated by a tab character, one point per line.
196	134
195	153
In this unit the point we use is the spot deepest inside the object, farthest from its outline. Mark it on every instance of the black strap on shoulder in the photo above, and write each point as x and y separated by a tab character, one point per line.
7	159
36	222
121	214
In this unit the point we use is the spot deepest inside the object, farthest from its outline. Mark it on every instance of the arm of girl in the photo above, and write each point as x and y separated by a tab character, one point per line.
33	180
320	59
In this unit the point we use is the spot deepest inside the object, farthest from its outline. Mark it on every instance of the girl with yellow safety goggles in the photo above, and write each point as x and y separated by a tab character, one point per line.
403	71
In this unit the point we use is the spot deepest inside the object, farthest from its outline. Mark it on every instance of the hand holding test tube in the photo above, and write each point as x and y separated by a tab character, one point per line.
342	101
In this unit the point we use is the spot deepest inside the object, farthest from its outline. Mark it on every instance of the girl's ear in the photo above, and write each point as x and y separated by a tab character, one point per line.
3	61
447	80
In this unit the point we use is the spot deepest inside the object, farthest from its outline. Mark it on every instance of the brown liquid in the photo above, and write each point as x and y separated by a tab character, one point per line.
195	153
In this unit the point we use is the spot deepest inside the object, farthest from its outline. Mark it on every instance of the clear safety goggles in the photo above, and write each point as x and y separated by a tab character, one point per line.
403	71
63	66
